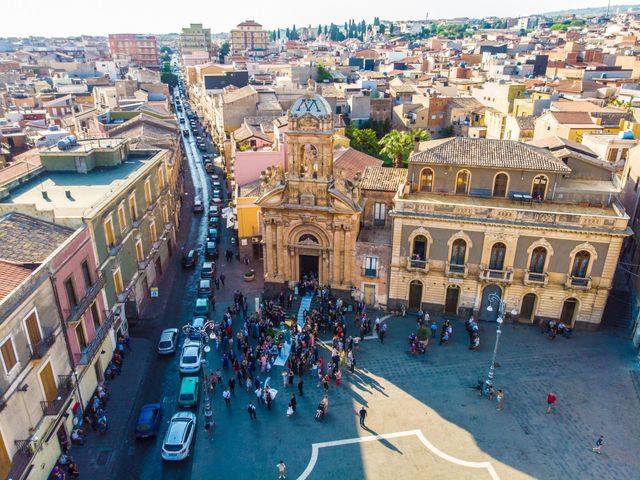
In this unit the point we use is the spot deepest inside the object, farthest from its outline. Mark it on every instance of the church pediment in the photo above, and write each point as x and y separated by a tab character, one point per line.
271	198
343	203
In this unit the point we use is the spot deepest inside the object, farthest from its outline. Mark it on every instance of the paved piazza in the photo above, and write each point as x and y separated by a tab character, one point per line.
426	421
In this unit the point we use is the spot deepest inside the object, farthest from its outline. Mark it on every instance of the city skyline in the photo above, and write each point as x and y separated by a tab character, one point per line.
53	21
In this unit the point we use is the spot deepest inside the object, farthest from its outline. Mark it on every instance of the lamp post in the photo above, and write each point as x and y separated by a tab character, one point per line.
501	305
205	332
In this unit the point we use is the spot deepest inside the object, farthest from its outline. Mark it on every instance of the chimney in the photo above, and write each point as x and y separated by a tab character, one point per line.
416	144
45	195
68	194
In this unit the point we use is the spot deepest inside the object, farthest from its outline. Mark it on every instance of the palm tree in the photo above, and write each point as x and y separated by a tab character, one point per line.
398	145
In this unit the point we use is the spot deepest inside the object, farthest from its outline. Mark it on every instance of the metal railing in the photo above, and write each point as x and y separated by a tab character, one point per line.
54	407
370	272
41	348
496	275
85	357
455	270
535	278
417	263
26	449
75	313
582	283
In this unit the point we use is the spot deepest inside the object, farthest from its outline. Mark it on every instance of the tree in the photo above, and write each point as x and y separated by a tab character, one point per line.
169	79
381	29
319	30
364	140
398	145
224	51
376	21
323	74
166	50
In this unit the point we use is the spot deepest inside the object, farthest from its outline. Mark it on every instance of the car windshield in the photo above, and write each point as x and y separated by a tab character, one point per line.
186	396
165	344
169	447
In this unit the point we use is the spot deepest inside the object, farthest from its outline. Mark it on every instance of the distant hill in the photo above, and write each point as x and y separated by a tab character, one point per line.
591	10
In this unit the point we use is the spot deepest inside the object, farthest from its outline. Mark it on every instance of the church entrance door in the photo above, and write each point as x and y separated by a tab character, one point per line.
309	266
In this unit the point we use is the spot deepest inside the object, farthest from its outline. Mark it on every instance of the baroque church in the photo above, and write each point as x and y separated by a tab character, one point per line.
310	214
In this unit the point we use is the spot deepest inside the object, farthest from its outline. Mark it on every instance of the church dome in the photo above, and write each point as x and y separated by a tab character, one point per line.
311	103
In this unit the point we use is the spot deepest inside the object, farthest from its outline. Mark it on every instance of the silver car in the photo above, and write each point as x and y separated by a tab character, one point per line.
177	442
168	341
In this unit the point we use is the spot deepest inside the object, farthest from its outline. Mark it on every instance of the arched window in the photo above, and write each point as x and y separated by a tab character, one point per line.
539	188
498	252
500	185
426	180
419	248
463	181
458	252
308	238
538	259
580	264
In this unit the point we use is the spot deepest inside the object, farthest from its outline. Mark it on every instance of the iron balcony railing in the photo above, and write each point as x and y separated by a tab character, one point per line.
417	263
40	349
87	354
455	270
580	283
535	278
26	449
74	314
55	406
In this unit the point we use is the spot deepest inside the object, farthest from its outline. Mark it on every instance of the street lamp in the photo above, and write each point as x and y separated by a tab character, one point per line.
501	305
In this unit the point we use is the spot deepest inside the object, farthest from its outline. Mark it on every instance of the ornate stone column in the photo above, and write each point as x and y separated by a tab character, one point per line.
268	255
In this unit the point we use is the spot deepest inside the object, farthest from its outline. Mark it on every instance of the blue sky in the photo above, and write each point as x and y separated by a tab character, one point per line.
74	17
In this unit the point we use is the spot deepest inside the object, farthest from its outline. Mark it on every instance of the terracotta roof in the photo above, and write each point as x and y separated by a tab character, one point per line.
488	153
11	275
20	165
572	118
526	122
352	161
383	178
28	240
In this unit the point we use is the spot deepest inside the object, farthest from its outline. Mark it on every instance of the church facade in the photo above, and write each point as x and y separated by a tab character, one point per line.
310	216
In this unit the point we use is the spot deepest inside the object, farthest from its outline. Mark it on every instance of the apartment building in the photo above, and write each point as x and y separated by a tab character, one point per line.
250	37
195	38
135	49
481	218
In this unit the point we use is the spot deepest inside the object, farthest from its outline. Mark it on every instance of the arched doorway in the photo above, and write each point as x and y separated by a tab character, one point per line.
569	311
415	295
308	259
487	293
451	300
528	307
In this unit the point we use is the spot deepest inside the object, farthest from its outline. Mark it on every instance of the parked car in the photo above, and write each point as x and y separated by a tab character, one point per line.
189	392
215	183
202	147
214	210
168	340
181	119
177	442
212	235
201	308
191	358
198	206
185	132
148	422
199	139
196	326
216	193
209	167
211	250
190	259
214	222
208	270
204	289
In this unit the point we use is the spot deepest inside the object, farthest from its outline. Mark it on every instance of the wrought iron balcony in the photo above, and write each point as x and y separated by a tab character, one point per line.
493	275
417	265
86	356
40	349
535	279
75	314
22	458
458	271
578	283
370	272
54	407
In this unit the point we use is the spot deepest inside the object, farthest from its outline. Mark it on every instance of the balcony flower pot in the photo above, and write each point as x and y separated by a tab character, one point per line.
249	276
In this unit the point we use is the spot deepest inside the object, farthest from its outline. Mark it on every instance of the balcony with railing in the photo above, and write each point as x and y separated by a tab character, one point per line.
416	264
26	449
87	354
65	387
458	271
535	279
40	349
578	283
75	313
370	272
493	275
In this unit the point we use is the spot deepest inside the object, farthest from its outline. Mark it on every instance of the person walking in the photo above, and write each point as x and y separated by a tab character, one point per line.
251	408
599	444
269	398
258	393
363	415
500	399
285	378
293	401
222	277
551	401
325	383
383	332
232	386
227	397
300	387
434	329
282	470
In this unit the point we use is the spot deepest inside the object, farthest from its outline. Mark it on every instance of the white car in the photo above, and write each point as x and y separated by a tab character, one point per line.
177	442
168	341
191	358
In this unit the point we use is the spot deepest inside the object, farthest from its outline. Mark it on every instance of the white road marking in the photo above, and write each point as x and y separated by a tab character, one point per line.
372	438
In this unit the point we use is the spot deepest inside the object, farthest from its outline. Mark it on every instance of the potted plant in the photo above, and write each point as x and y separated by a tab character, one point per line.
423	335
249	276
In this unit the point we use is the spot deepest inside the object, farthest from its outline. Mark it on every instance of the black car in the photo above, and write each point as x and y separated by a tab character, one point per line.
185	133
214	222
211	250
204	289
190	259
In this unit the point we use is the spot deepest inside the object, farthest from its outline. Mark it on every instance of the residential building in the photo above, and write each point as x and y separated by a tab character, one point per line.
480	219
125	198
135	49
250	37
195	38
